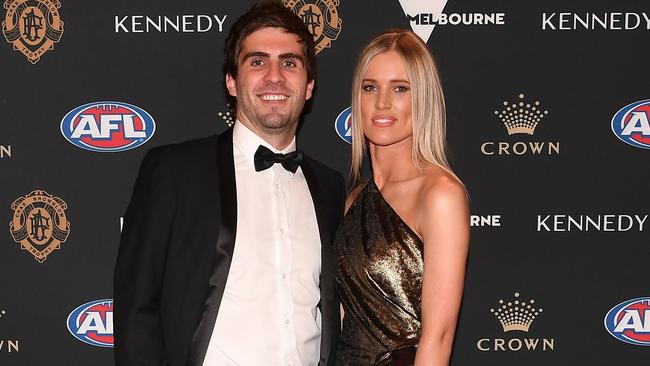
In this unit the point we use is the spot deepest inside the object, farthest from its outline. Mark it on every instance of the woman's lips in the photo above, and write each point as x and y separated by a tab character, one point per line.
383	121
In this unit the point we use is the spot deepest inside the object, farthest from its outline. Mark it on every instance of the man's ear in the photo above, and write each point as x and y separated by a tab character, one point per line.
310	89
231	85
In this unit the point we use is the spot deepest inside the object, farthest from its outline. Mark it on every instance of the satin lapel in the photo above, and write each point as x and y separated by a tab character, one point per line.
327	261
224	246
320	203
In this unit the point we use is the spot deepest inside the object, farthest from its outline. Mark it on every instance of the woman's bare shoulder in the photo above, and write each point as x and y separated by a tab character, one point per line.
438	184
440	194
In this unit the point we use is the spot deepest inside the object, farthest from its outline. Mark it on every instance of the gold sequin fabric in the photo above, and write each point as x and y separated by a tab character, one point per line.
379	279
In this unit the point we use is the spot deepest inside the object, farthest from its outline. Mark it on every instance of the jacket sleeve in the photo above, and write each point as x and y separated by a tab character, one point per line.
139	269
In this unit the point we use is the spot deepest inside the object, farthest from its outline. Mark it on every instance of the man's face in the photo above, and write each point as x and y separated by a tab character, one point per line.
271	86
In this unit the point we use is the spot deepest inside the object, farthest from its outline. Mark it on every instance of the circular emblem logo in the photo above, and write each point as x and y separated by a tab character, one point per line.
32	26
631	124
92	323
343	125
108	126
39	223
321	18
629	321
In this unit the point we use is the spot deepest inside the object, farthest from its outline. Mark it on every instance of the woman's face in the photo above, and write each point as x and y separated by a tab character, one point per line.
386	101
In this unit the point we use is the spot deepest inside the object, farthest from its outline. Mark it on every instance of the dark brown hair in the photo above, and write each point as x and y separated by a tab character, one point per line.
268	14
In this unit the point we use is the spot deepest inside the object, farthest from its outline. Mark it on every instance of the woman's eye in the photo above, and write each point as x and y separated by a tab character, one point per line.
402	89
368	87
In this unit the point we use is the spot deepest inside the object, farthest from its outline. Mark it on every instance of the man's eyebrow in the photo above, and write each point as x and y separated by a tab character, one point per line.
255	54
292	55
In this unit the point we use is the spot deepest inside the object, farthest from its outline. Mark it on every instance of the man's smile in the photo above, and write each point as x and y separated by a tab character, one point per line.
273	97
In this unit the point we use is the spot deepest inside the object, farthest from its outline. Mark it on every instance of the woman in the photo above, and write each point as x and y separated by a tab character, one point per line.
402	247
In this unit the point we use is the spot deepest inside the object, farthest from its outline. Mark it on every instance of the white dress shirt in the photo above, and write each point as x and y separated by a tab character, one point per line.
269	313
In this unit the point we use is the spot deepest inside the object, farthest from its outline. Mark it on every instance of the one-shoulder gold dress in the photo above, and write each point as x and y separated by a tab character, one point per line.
379	279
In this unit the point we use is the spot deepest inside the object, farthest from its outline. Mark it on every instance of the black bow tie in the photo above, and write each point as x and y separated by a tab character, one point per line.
265	158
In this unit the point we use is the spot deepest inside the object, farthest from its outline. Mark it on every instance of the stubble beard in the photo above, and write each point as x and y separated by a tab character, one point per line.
275	122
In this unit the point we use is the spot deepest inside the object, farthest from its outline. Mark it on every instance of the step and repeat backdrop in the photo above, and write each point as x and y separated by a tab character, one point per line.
549	128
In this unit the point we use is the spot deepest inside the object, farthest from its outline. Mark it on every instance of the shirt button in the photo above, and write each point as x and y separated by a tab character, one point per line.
284	275
281	231
286	321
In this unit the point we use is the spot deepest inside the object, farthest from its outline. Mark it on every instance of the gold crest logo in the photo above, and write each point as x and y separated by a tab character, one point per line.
321	18
39	223
32	26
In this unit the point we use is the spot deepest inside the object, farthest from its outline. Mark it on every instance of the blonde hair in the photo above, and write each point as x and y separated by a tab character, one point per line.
427	100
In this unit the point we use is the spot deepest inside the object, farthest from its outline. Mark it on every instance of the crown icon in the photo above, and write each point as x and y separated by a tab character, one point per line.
228	116
516	315
520	116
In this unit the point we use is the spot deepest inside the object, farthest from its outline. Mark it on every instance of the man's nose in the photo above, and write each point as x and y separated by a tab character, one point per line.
274	74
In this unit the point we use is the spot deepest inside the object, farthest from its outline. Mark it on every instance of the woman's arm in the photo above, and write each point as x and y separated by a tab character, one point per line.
443	223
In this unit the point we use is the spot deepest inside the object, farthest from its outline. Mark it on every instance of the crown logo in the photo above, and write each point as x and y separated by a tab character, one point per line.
516	315
228	116
520	116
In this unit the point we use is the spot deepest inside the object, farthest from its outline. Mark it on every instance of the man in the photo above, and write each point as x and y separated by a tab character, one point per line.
225	256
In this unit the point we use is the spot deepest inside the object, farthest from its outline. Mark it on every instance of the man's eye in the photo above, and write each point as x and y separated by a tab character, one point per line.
257	63
288	63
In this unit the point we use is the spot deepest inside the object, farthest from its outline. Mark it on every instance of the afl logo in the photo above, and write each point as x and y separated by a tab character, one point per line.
92	323
629	321
630	124
343	125
108	126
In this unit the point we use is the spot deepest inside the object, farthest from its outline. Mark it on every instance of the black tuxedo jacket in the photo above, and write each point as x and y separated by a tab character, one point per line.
176	248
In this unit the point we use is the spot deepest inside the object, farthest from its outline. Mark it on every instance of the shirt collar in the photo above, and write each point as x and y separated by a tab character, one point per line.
247	142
